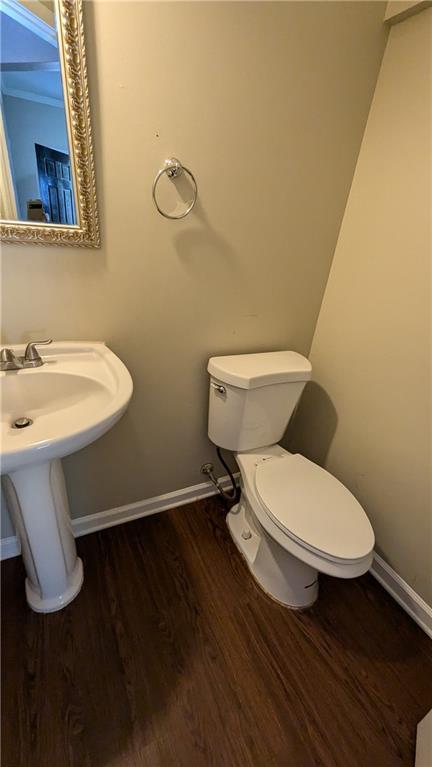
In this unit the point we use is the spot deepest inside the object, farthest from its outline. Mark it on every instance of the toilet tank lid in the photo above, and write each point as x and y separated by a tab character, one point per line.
250	371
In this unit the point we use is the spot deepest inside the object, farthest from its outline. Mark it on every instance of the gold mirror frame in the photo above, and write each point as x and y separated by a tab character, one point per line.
77	107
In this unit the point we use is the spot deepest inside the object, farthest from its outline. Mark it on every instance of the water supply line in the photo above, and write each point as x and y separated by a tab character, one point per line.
207	468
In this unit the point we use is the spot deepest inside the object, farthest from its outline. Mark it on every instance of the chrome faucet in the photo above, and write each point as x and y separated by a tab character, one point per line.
30	359
8	360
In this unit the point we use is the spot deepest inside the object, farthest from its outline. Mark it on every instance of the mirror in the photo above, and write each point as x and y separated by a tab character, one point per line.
47	184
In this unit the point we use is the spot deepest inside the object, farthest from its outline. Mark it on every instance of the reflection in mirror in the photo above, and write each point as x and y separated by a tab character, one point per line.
37	180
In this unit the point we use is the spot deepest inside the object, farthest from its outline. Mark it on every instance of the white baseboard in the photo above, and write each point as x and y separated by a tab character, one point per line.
10	547
399	589
111	517
411	602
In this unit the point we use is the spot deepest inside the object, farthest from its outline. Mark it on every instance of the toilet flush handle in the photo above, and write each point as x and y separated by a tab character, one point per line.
219	388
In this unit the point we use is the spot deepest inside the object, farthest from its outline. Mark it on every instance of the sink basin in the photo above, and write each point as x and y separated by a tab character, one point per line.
78	394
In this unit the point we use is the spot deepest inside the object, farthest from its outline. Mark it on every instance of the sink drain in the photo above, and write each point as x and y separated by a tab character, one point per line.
21	423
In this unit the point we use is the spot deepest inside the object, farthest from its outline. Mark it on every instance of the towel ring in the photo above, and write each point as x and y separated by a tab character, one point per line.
174	169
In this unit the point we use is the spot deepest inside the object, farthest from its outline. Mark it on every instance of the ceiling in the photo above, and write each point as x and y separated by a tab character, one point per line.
29	57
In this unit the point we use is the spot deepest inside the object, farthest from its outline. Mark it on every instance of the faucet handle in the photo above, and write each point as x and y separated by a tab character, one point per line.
7	355
9	361
31	354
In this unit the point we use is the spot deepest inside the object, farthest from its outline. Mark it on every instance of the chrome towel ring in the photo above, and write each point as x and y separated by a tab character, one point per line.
174	169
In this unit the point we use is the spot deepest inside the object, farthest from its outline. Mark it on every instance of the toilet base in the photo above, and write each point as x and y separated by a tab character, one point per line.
282	576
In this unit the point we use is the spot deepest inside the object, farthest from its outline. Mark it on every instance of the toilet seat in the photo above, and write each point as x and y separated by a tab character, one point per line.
313	508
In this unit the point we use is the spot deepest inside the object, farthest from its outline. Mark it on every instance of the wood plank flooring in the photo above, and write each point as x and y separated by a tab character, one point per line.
172	657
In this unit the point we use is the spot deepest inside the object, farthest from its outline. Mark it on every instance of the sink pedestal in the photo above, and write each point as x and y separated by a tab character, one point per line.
37	500
79	392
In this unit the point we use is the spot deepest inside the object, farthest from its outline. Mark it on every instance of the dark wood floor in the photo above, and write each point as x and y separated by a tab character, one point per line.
172	657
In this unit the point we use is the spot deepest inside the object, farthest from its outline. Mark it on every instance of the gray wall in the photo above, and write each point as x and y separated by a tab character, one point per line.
367	416
267	103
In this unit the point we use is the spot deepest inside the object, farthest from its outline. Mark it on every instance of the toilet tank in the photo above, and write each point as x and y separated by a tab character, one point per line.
252	397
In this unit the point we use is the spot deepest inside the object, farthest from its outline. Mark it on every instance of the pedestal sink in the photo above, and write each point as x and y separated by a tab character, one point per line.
78	394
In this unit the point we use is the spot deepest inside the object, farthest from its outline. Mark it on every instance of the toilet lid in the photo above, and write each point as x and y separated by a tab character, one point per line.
311	505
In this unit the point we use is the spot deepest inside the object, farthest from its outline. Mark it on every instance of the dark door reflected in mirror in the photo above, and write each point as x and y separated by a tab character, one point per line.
36	177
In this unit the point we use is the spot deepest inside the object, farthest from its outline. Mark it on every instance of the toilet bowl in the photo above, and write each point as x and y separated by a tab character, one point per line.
294	519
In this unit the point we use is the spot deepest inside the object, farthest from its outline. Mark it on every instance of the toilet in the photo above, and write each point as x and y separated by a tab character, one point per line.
294	519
